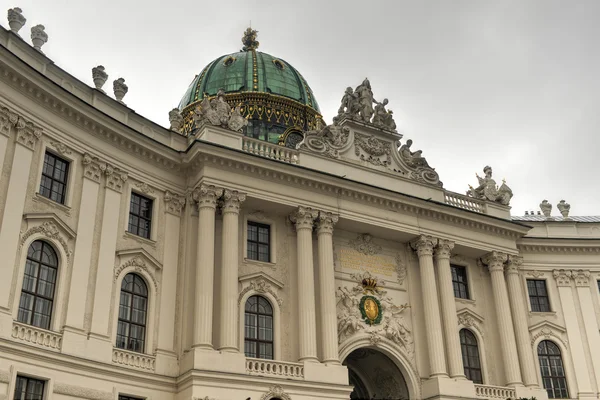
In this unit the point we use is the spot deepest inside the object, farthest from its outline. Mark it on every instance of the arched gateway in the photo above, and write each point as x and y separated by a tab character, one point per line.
375	376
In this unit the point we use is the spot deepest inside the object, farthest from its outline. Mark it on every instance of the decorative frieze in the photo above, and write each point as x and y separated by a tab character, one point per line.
304	217
81	392
174	203
134	360
232	201
563	277
207	196
115	178
37	336
535	273
92	167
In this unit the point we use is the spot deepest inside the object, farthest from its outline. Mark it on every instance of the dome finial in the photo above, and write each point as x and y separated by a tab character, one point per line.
249	40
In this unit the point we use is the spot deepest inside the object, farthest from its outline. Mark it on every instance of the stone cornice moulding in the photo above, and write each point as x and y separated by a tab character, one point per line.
78	391
553	245
151	151
547	329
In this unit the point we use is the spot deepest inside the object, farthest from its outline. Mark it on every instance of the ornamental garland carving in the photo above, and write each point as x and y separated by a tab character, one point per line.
138	265
401	271
62	148
372	150
81	392
174	203
468	320
581	277
276	392
92	167
563	277
547	331
50	230
144	187
364	244
260	285
535	273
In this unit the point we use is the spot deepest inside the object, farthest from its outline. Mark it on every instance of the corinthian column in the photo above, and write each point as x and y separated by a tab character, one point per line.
207	197
329	334
442	258
495	263
304	218
433	325
519	313
232	201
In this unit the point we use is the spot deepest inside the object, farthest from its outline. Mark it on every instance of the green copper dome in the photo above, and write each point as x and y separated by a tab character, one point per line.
250	71
271	94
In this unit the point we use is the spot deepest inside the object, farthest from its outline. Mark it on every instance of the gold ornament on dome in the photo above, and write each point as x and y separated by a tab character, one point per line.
249	40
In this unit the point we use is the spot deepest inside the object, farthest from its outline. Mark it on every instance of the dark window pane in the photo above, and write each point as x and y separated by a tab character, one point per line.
459	282
551	367
140	216
29	389
470	355
259	242
133	310
258	328
53	184
538	295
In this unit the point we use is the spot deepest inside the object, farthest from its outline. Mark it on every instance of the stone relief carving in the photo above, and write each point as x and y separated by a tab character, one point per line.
7	119
16	19
81	392
364	244
92	167
174	203
27	133
120	89
50	230
144	188
372	150
62	149
581	277
99	77
468	320
416	166
115	178
488	190
358	105
276	392
392	325
535	273
547	331
260	285
217	112
329	141
175	119
401	271
38	37
564	208
563	277
139	265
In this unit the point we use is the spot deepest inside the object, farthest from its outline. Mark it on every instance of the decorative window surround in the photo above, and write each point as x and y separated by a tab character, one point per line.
37	336
547	330
276	392
51	203
469	319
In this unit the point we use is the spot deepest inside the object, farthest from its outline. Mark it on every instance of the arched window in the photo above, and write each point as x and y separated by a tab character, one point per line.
470	355
258	328
133	307
39	281
553	373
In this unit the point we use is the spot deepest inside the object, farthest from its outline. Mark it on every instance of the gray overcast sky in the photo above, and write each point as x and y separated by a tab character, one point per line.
512	84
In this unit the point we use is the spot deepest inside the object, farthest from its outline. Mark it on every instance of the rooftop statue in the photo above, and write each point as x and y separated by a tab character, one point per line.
358	105
249	40
412	158
328	140
16	20
217	112
488	190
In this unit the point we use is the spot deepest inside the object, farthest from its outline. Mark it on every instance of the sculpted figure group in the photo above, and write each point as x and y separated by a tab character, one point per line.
488	190
358	104
218	112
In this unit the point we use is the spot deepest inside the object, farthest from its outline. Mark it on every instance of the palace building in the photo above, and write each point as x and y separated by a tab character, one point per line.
252	251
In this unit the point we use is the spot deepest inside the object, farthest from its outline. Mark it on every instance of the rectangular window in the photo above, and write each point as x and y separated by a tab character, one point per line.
259	242
140	216
459	282
54	178
123	397
29	388
538	295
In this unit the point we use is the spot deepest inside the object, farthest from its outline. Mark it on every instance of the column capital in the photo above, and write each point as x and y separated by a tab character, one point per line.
7	119
304	217
232	201
115	178
514	264
92	167
28	134
207	196
562	276
174	203
326	221
444	248
424	245
582	278
495	260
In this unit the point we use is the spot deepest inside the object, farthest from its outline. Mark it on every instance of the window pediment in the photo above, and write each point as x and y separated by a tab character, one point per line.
547	330
138	260
470	319
50	226
261	283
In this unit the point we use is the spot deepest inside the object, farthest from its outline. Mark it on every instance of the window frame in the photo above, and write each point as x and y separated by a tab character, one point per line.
260	217
130	321
456	284
552	377
151	219
35	294
468	369
28	378
537	296
258	226
257	340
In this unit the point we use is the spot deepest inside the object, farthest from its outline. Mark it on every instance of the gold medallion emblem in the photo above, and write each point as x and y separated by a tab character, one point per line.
370	310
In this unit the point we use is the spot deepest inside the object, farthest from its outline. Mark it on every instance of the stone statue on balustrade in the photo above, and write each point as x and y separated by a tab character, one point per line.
358	105
488	190
217	112
412	158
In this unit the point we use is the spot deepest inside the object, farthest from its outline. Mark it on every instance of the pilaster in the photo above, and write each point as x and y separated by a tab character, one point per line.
329	333
304	218
8	120
448	306
495	263
232	201
206	196
435	342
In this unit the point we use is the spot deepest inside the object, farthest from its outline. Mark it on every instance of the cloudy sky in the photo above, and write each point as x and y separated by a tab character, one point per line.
512	84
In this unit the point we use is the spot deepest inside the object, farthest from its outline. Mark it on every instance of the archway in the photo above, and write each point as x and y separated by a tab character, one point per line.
374	376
